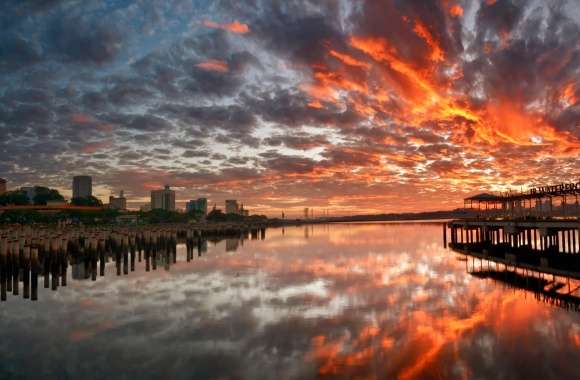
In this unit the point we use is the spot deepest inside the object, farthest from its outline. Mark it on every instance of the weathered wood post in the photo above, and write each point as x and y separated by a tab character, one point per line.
26	272
3	271
34	273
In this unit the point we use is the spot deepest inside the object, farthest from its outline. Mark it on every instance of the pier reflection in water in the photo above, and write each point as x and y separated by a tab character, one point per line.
336	301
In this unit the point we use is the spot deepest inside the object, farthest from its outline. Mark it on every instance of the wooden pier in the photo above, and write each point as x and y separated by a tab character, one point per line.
552	245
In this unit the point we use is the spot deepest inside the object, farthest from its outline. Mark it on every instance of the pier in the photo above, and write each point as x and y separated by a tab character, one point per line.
537	230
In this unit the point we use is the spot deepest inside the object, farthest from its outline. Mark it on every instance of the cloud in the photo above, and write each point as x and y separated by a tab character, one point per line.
234	27
214	65
287	97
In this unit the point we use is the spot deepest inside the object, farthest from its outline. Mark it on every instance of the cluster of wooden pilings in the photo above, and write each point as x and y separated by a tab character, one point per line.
28	253
550	244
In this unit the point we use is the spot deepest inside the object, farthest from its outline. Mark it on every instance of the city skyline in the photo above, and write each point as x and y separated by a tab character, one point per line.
292	105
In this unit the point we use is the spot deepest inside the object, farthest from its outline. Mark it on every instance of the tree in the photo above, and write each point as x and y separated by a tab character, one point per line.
216	215
87	201
164	216
18	198
44	194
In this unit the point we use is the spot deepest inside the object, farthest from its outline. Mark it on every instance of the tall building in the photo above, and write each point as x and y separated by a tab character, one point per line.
199	205
118	203
2	186
306	213
232	206
163	199
82	186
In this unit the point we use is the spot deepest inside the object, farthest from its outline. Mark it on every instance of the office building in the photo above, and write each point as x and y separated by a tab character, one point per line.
232	206
145	207
198	206
243	211
2	186
163	199
306	212
118	203
82	186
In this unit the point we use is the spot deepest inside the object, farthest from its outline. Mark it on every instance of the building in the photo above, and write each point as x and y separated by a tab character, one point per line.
2	186
163	199
243	211
232	206
145	207
82	186
118	203
199	206
306	212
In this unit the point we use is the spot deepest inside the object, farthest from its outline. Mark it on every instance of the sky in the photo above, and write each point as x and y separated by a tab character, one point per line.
361	106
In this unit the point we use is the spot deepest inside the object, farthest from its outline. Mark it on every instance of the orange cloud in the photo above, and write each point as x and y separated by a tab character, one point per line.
436	52
456	10
568	94
233	27
81	118
348	60
96	146
214	65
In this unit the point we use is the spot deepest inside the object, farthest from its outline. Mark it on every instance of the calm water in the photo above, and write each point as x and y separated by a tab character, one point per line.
365	301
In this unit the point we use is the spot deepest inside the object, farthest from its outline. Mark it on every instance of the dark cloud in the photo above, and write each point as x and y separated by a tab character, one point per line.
17	52
79	40
155	88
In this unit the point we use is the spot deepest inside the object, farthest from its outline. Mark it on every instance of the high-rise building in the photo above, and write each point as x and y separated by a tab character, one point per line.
163	199
2	186
82	186
232	206
306	213
118	203
199	205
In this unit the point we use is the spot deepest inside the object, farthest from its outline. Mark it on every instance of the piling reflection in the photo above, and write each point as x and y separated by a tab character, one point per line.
560	291
27	256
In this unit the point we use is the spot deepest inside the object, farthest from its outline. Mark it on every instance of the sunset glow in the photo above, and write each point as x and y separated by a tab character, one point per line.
350	107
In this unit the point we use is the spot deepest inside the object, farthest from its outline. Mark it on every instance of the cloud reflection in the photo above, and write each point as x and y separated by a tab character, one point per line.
351	301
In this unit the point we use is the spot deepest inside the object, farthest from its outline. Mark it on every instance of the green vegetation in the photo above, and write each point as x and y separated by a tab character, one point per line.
18	198
218	216
87	201
44	194
163	216
74	216
106	216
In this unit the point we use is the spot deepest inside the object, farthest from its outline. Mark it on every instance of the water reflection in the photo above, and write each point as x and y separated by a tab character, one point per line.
375	301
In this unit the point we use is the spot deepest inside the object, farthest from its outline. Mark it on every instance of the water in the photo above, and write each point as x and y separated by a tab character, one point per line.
365	301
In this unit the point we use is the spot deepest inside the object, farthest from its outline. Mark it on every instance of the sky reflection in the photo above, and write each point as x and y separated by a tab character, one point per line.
370	301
